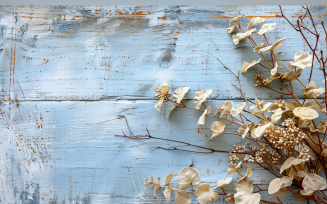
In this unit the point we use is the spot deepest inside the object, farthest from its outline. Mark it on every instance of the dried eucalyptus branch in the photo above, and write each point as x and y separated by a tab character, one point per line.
287	139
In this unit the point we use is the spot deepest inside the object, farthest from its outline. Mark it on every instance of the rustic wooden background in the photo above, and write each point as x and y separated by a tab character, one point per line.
69	73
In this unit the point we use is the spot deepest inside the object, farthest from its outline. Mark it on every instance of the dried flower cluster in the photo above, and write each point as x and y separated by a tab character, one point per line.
287	139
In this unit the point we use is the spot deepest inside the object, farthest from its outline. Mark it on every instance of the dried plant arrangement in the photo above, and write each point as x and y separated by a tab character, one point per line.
286	139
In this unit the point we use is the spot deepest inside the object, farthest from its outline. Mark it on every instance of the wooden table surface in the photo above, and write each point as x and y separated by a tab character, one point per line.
69	74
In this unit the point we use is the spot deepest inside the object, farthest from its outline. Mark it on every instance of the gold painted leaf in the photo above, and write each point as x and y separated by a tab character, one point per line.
257	132
232	29
159	103
305	113
205	194
266	27
171	110
311	90
277	115
217	128
247	65
201	120
287	164
274	70
200	97
169	178
167	194
189	176
179	94
301	60
224	182
255	21
245	193
278	195
241	36
238	109
227	106
274	47
258	47
313	182
274	185
236	19
182	198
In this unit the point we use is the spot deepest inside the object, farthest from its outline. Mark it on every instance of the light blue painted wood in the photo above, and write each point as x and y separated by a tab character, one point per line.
69	72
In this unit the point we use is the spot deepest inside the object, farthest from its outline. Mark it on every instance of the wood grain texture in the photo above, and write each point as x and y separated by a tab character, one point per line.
69	73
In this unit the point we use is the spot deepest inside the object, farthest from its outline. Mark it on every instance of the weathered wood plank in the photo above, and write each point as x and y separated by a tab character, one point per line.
66	152
124	52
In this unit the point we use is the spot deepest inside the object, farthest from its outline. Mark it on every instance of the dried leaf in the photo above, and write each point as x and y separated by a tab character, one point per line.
313	182
159	103
245	193
217	128
301	60
274	185
266	27
168	178
278	195
200	97
305	113
255	21
274	46
247	65
274	77
224	182
311	90
167	194
236	19
276	116
312	104
189	176
240	36
274	70
205	195
257	132
290	76
201	120
258	47
182	198
227	106
179	94
301	174
287	164
248	174
238	109
232	29
155	190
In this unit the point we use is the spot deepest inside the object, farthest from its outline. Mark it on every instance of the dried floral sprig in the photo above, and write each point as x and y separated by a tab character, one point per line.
286	141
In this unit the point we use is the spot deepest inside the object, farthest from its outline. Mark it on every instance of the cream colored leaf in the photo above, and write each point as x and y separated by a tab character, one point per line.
182	198
217	128
215	134
305	113
274	185
274	77
248	174
286	181
240	36
301	60
224	182
200	97
266	27
274	70
291	105
278	195
179	94
227	106
189	176
257	132
258	47
232	29
301	174
290	76
297	161
247	65
201	120
287	164
312	104
274	47
255	21
205	195
238	109
276	116
159	103
236	19
266	107
167	194
313	182
171	110
168	178
245	193
306	192
311	90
